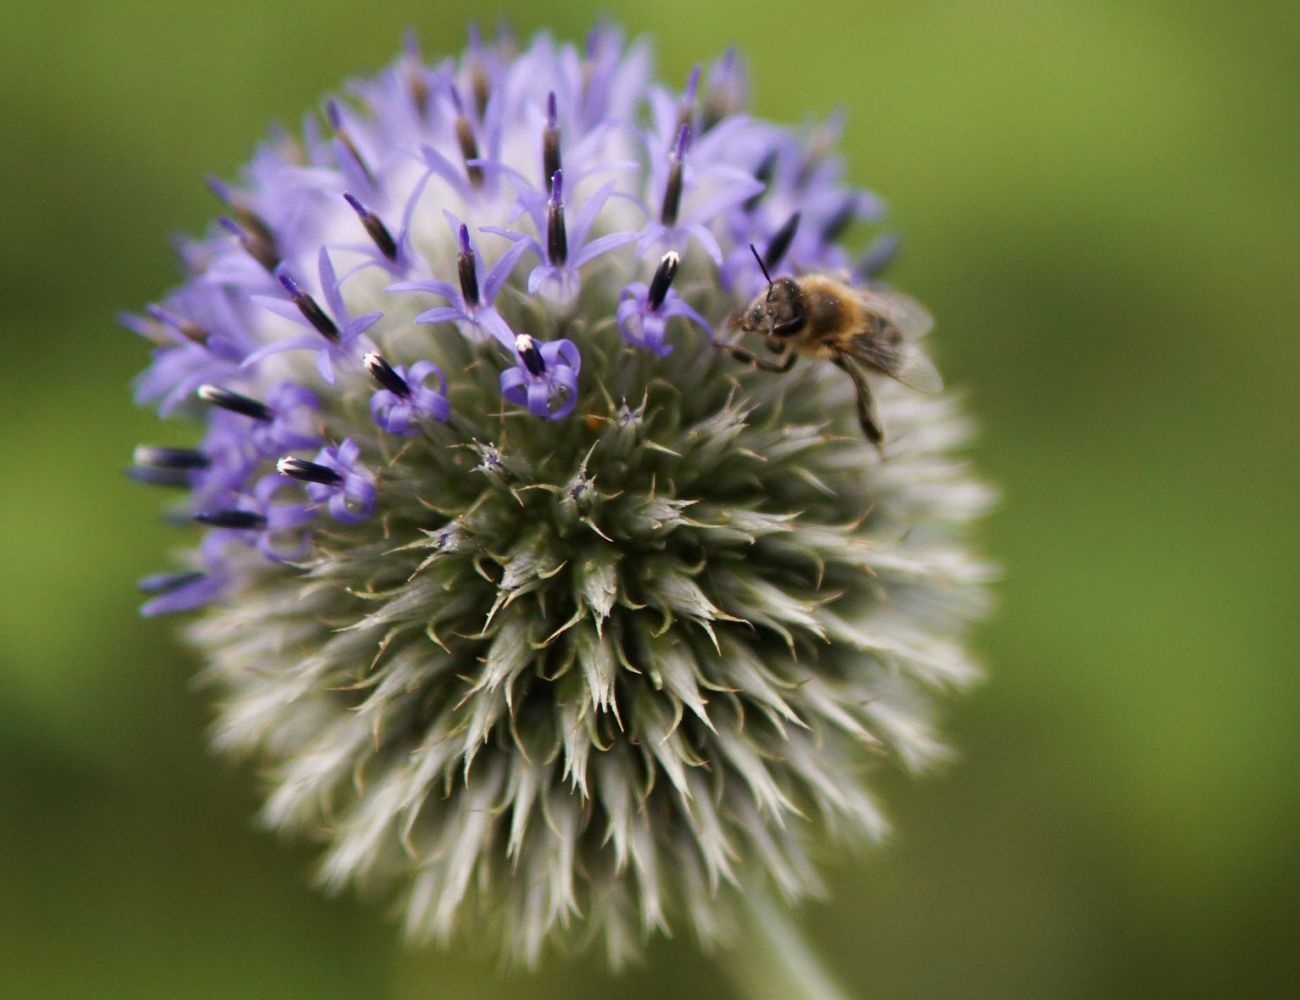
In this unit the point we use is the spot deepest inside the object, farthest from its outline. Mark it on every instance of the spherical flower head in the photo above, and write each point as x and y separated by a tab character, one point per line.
552	600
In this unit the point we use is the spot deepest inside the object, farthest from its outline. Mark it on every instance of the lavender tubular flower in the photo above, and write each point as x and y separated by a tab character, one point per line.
473	297
341	336
566	626
405	399
545	377
644	313
566	250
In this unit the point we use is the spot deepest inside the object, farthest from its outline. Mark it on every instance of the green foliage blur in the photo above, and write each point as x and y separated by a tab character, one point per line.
1099	202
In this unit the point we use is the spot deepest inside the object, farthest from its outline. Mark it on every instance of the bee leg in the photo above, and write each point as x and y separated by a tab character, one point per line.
868	416
744	354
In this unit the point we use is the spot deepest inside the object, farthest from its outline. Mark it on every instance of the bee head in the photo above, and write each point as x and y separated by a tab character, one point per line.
777	312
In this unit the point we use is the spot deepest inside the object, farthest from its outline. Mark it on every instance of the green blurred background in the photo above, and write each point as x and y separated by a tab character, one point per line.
1099	201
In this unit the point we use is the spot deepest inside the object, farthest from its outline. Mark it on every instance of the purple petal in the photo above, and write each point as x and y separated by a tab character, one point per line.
282	308
416	193
444	168
587	214
330	287
501	271
567	350
266	546
360	324
324	366
567	378
354	175
512	379
541	273
442	314
491	321
444	288
677	307
600	246
742	189
539	398
200	591
304	343
707	240
421	370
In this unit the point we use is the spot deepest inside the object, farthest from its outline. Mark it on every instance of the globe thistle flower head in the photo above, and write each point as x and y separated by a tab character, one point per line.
542	613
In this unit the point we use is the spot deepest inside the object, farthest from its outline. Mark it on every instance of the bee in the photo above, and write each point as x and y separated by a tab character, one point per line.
856	329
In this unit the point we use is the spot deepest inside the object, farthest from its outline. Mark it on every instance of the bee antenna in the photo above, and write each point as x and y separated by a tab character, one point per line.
761	266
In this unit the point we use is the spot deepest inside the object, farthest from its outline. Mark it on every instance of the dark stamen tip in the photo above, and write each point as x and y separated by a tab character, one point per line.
557	238
663	279
290	286
177	479
256	240
187	328
763	174
374	228
672	194
683	143
551	140
383	373
479	83
468	143
307	472
839	222
780	241
309	308
467	269
456	101
239	520
335	114
234	402
529	354
170	458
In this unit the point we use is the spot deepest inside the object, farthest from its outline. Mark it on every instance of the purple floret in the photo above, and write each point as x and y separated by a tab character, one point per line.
544	378
645	310
473	297
407	401
350	492
339	338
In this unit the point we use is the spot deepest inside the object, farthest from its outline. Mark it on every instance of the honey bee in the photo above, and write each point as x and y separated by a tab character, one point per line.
819	316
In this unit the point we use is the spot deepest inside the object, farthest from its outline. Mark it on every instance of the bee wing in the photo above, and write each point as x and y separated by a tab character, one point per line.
915	370
903	362
911	318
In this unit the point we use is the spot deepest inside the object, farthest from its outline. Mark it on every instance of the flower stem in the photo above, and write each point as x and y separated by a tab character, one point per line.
771	961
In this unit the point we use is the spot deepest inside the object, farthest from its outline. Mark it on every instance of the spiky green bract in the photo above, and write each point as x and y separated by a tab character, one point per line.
595	676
